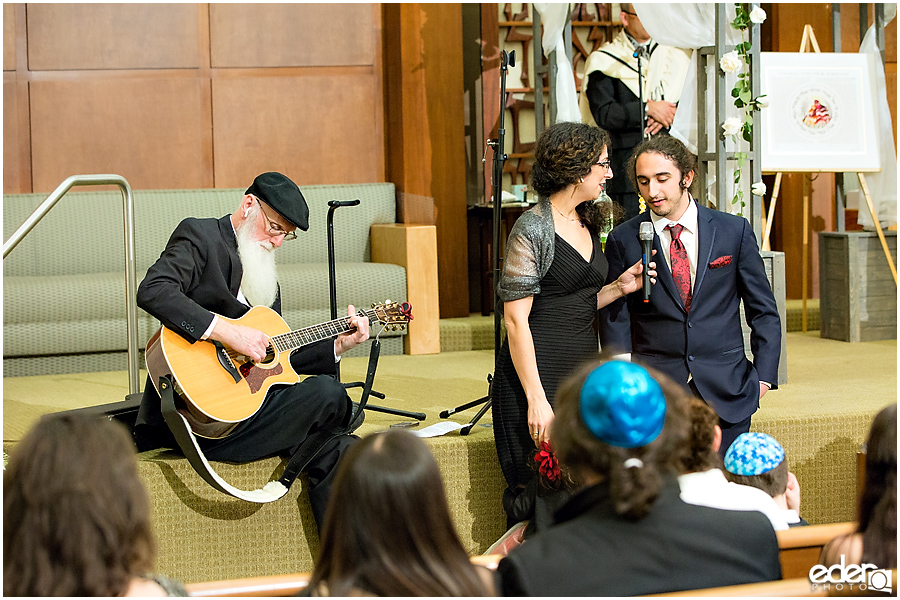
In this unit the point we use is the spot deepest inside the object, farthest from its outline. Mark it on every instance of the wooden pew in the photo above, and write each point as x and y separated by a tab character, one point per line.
799	586
800	546
270	585
281	585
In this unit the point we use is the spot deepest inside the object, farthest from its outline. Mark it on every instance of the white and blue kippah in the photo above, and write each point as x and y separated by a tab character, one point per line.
753	454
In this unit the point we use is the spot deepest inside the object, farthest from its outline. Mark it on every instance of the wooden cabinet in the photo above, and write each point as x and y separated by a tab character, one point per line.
858	300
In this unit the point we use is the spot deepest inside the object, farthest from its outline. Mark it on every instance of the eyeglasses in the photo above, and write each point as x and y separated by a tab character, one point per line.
604	164
629	13
274	228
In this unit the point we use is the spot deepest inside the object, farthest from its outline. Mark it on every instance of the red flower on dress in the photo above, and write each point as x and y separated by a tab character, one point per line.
549	464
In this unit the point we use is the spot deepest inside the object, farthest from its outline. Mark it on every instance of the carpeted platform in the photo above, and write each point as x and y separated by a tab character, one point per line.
476	332
821	416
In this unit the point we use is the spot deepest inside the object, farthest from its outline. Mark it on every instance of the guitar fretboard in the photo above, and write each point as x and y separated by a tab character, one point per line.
302	337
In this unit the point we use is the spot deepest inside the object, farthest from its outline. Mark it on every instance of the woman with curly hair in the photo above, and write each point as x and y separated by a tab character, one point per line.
388	529
875	539
551	287
76	517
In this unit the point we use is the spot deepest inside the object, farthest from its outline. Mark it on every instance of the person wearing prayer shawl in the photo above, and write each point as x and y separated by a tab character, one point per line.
611	95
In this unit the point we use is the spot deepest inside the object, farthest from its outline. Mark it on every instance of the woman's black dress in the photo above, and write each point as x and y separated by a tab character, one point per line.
562	326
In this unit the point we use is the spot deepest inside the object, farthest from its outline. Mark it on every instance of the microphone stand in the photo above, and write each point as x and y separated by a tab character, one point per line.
637	54
507	59
375	351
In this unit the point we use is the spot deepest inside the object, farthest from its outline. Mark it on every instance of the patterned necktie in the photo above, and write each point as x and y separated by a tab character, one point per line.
681	268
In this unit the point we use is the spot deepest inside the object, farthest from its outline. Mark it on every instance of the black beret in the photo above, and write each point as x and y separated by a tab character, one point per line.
284	196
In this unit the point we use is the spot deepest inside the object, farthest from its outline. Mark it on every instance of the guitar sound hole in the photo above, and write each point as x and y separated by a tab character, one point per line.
269	357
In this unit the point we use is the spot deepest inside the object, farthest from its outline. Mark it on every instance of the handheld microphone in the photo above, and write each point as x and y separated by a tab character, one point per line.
646	237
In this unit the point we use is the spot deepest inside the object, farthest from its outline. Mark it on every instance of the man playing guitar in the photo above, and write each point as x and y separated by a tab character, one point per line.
214	268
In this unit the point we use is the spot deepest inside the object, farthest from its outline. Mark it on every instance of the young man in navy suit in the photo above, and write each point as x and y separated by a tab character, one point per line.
690	327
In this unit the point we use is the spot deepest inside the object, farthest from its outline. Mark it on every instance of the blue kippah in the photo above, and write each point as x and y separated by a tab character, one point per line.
622	405
753	454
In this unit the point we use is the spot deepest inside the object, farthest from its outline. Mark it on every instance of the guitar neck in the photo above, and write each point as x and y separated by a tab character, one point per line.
309	335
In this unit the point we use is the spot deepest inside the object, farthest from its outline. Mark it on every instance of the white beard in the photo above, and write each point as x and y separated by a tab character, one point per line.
260	280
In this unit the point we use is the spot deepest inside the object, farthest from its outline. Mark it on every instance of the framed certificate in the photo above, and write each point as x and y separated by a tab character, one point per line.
821	115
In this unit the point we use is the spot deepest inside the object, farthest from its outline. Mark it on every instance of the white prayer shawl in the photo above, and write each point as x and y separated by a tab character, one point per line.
664	73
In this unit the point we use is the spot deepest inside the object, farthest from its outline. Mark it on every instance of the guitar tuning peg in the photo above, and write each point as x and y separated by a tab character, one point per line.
373	305
387	302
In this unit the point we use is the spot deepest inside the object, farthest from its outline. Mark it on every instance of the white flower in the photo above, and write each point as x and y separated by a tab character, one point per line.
731	62
758	188
757	15
732	126
761	101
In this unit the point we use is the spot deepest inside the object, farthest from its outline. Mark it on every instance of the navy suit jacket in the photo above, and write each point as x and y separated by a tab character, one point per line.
708	342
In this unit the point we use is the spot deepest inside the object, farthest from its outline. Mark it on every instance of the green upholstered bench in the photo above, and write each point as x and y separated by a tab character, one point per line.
64	305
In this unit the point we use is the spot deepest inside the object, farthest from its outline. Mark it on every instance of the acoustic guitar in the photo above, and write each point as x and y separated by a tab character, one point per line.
218	388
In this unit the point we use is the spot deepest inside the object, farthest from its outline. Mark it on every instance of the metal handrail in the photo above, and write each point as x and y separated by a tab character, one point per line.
130	275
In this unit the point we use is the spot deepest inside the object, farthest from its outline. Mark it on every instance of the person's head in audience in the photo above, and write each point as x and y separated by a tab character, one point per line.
388	529
76	516
878	501
758	460
623	425
706	437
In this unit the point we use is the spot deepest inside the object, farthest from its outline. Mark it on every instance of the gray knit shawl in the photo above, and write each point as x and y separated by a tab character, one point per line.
529	252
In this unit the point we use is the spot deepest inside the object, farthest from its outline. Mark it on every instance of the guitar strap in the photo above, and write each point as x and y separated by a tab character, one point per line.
273	490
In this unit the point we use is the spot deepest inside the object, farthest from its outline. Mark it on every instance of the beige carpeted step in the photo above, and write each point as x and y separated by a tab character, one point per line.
476	332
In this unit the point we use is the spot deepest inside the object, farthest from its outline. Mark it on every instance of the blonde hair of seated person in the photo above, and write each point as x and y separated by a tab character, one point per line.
388	529
76	516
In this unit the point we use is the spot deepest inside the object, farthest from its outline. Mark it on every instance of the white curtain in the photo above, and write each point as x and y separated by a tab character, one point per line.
883	184
554	17
693	25
690	26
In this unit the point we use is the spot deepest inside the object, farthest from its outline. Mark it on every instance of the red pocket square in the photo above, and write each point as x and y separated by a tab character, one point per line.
720	262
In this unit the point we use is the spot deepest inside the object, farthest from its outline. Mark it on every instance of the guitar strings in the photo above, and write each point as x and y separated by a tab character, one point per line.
300	337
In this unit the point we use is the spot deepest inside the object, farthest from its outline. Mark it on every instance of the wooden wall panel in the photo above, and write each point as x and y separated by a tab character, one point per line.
104	72
11	163
112	36
9	37
291	35
426	129
318	129
442	31
147	130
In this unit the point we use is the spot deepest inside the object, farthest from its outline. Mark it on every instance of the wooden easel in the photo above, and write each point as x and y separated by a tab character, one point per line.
809	39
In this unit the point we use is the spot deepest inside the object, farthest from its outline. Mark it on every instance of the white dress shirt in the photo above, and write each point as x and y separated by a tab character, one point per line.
711	488
688	235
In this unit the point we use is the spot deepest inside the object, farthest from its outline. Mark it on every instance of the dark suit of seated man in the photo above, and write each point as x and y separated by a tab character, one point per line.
214	268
